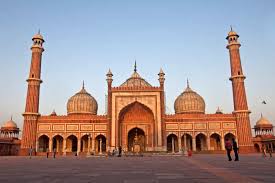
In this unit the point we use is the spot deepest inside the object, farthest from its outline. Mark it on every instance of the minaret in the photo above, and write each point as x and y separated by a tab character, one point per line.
161	79
109	80
31	113
239	96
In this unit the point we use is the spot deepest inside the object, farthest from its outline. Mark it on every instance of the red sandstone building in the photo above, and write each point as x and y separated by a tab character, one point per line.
9	142
136	118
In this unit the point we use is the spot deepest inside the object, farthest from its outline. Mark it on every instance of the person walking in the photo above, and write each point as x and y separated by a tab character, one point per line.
47	152
228	147
270	151
235	149
54	152
263	148
30	152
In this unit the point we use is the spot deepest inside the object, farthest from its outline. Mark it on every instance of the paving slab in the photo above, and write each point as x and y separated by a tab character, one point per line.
159	169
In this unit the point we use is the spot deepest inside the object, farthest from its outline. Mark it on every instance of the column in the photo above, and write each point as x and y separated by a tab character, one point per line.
208	143
179	143
50	144
89	145
93	144
194	143
37	146
78	146
57	145
222	144
173	145
64	147
100	145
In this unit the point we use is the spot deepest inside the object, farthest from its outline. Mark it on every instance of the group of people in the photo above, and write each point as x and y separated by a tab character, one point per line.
229	146
116	152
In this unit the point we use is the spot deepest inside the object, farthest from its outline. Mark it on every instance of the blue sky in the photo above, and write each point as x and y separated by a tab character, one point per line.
185	38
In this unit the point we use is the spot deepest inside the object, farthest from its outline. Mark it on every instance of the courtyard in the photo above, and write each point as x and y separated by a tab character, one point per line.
198	168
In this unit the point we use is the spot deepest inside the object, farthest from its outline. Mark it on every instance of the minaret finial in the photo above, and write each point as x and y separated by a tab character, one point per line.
135	66
261	115
187	83
83	85
38	31
231	28
11	117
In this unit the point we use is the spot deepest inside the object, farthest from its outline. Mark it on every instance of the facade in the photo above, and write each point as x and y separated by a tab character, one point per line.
9	142
264	135
136	118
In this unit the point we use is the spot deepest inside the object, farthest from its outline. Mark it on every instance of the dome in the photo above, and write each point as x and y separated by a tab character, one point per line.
232	33
263	122
135	80
189	102
10	124
38	36
82	103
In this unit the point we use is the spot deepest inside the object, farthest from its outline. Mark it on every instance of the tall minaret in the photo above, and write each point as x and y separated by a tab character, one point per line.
239	96
31	113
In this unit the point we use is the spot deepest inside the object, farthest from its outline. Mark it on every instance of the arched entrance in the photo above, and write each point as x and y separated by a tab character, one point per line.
100	144
58	143
188	142
141	117
257	147
201	142
215	142
43	143
71	143
84	143
136	140
172	143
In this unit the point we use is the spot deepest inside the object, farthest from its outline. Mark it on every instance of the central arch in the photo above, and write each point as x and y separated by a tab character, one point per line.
136	116
136	140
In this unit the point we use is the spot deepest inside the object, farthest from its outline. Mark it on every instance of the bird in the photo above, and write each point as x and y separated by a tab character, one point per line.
263	102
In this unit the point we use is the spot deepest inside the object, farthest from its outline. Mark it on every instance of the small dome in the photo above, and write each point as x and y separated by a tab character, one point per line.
38	36
263	122
219	111
10	124
232	33
189	102
135	80
82	103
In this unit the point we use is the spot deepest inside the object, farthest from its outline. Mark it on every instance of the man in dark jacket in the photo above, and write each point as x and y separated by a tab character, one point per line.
228	147
235	149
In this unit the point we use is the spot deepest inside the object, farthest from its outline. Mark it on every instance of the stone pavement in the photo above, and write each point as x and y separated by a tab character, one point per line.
159	169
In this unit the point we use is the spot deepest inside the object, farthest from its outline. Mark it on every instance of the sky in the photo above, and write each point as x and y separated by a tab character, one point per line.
83	39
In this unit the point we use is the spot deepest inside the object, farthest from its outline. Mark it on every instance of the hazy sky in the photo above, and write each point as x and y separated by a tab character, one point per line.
83	39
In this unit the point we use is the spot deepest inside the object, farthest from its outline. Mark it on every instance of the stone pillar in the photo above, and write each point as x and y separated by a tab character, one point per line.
89	145
36	146
194	143
208	143
179	143
64	147
100	145
173	145
222	144
78	146
50	144
93	144
57	145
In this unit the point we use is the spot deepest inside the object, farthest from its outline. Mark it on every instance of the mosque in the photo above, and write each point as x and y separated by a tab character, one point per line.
136	119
